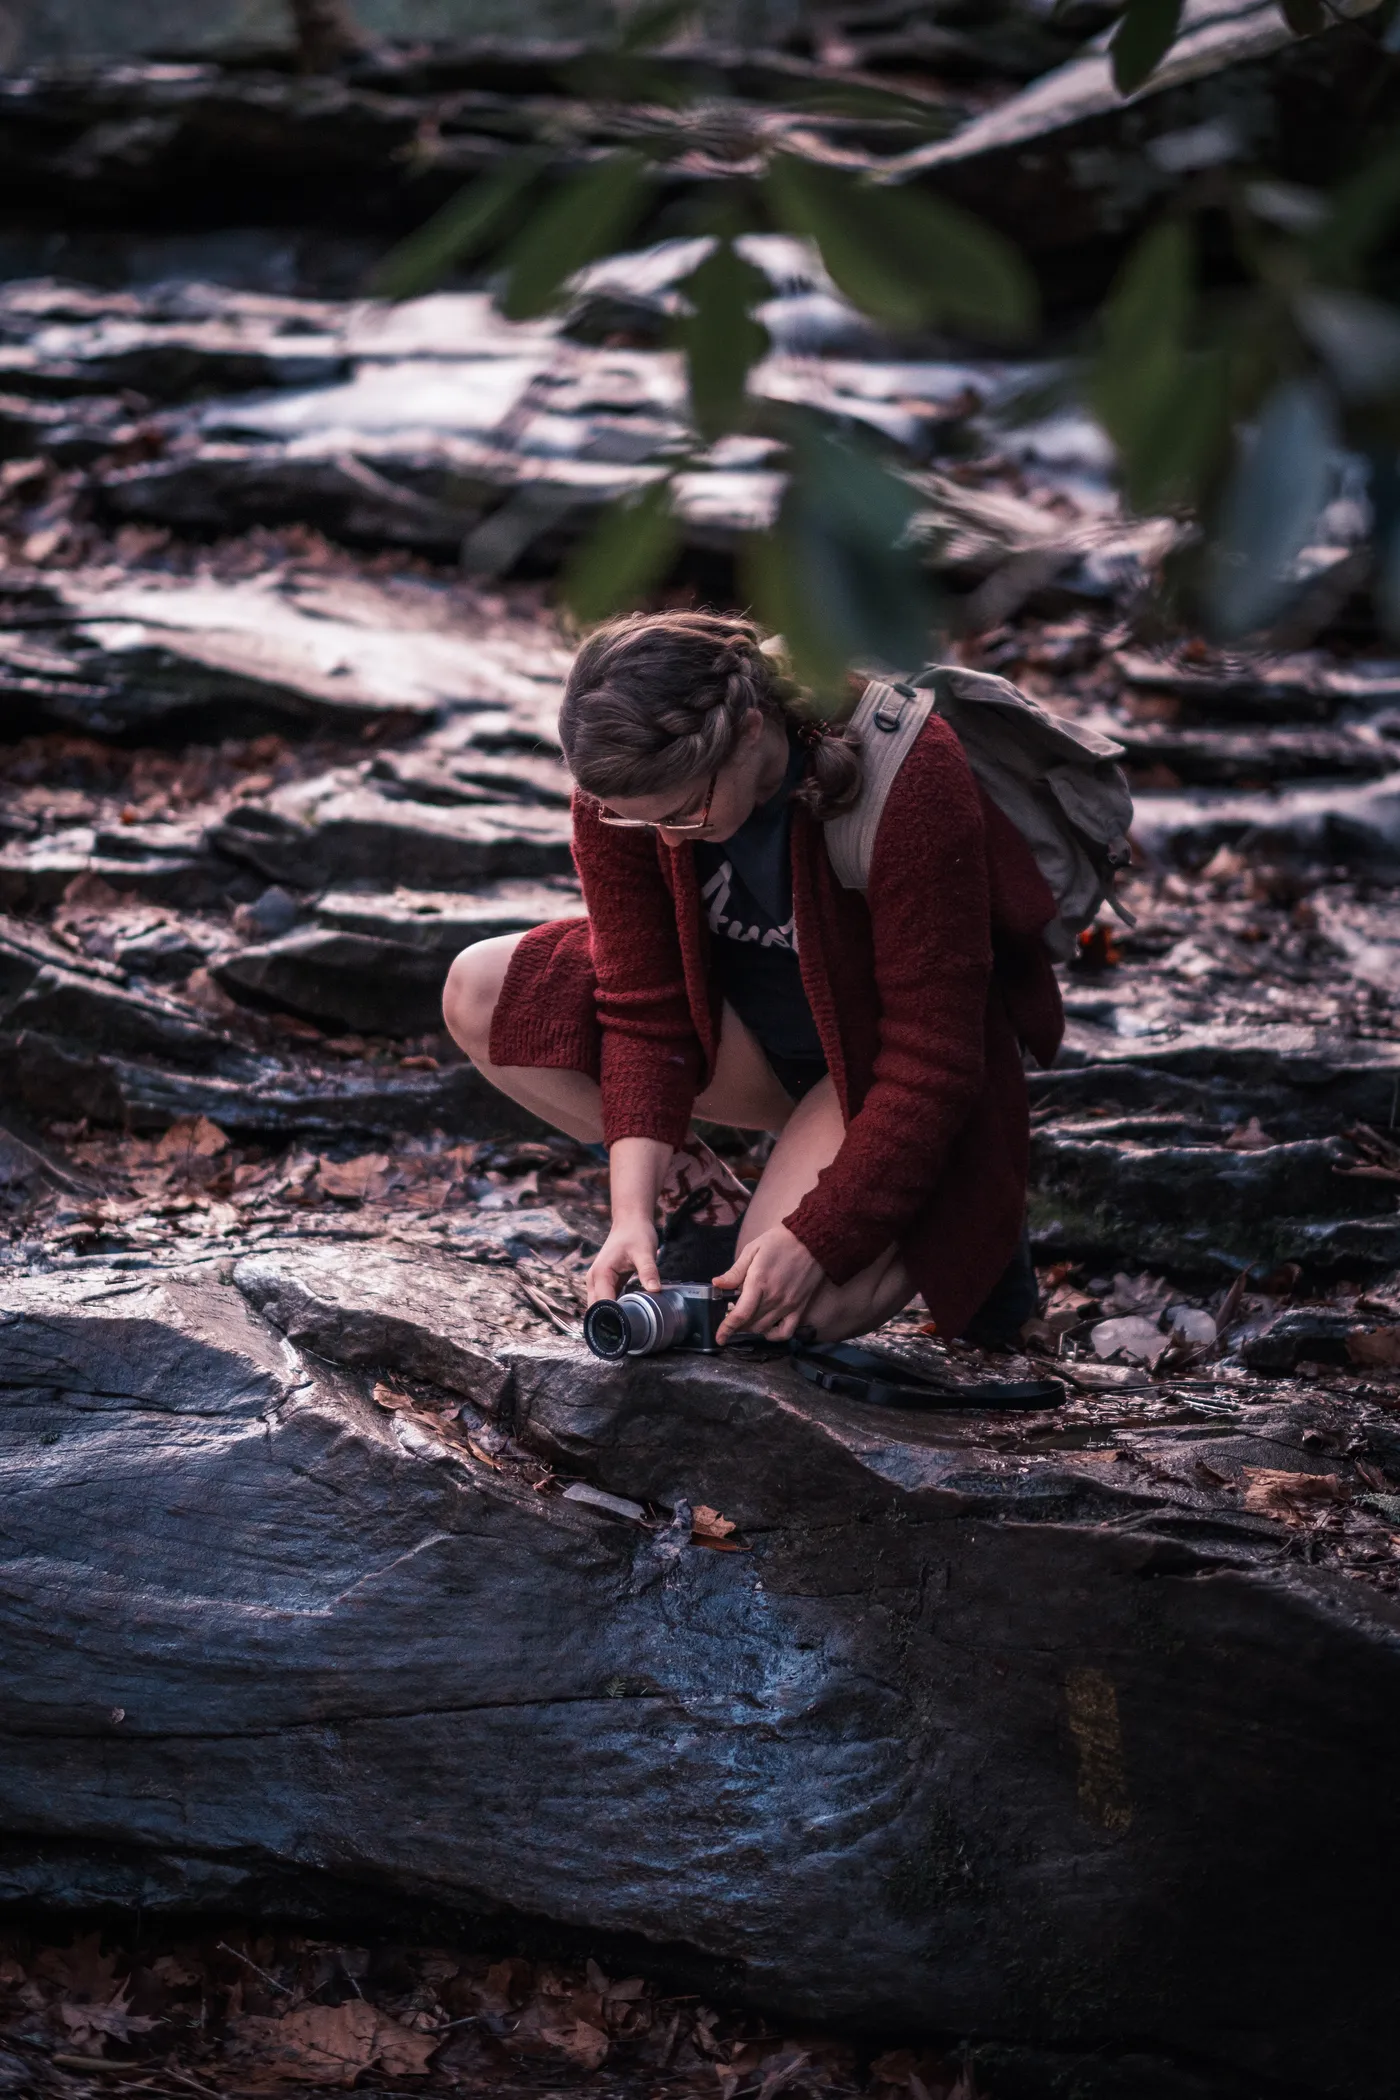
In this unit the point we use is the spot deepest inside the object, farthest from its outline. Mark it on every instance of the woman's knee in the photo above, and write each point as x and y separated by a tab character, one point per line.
472	991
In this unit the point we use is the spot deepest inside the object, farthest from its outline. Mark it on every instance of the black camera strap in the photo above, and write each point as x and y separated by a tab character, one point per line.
885	1381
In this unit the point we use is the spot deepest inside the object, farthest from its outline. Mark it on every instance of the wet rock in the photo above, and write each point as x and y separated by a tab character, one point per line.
1311	1334
1257	758
424	1620
248	1095
343	828
35	873
1200	1208
195	656
1300	688
1356	827
342	980
1136	1146
410	1314
378	965
1069	168
121	1018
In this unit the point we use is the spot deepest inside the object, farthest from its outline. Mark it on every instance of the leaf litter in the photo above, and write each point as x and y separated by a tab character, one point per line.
283	2014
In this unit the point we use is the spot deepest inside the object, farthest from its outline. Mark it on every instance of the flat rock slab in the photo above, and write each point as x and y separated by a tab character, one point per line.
987	1726
1068	166
379	965
345	827
163	655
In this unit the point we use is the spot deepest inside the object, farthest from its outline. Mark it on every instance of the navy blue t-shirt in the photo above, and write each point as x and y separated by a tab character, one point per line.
746	892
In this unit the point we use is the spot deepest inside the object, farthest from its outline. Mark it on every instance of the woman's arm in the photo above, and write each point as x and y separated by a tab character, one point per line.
930	918
637	1168
652	1060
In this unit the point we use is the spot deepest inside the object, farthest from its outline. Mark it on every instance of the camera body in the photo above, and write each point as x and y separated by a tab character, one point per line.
642	1323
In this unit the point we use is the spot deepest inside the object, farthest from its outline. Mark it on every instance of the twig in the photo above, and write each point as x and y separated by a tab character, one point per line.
68	2062
542	1305
285	1989
184	2078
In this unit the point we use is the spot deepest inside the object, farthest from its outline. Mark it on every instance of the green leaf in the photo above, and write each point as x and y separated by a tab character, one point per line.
721	338
837	576
1304	17
460	230
1142	40
1271	507
1142	379
584	219
901	255
1361	215
1179	446
928	119
631	549
653	22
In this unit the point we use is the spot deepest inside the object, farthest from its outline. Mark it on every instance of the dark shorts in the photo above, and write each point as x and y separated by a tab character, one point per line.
796	1075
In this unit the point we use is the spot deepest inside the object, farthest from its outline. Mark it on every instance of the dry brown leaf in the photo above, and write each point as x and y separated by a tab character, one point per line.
193	1137
579	2040
1380	1346
91	2025
1295	1497
395	1403
331	2044
355	1179
707	1523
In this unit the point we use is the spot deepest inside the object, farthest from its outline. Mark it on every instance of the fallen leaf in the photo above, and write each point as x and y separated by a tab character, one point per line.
1145	1295
386	1397
86	2022
1295	1497
581	2042
193	1137
1134	1336
1380	1346
355	1179
331	2044
1249	1137
707	1523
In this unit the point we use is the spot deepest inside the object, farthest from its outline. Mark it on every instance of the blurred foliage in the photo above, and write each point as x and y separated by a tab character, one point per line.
1225	405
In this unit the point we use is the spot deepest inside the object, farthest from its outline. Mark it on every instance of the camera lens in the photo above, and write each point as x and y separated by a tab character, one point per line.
606	1329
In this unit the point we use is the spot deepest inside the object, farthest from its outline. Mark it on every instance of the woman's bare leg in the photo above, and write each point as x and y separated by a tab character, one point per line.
742	1092
810	1141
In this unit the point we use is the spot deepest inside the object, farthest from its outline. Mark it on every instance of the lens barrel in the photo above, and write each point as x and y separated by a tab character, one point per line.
606	1329
639	1323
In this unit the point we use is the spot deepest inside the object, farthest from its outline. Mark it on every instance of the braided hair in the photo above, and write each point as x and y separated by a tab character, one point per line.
658	700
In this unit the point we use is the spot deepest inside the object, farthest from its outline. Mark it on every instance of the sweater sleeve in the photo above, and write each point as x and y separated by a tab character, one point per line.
930	916
652	1058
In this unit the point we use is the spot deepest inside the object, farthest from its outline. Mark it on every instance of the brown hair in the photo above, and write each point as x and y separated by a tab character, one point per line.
657	700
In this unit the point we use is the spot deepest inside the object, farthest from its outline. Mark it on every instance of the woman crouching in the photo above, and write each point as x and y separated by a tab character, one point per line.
724	972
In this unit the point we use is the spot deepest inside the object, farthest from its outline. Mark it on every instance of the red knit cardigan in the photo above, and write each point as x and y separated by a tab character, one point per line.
924	991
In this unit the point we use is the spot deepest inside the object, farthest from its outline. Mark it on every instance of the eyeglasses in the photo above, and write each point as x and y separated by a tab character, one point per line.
664	823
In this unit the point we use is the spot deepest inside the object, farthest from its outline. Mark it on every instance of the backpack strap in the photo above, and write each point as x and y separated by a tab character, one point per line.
885	724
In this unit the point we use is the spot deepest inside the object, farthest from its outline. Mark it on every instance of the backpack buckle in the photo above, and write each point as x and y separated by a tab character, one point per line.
889	711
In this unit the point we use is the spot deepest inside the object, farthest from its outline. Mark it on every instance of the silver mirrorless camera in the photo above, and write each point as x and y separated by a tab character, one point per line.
639	1323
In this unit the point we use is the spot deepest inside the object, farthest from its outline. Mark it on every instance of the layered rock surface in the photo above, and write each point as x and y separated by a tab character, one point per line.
972	1710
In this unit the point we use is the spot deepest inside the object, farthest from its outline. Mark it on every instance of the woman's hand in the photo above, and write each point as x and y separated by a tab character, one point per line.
629	1249
637	1168
776	1279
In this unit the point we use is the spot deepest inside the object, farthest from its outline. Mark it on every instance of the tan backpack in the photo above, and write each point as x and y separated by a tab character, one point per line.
1057	781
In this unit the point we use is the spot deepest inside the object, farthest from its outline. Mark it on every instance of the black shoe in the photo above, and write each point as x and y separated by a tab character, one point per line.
692	1253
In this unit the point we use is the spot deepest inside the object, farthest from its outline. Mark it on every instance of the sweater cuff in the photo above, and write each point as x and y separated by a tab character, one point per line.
665	1121
829	1240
